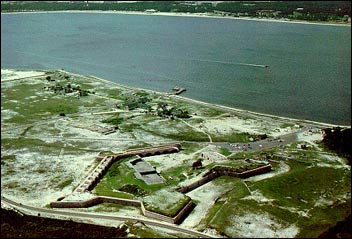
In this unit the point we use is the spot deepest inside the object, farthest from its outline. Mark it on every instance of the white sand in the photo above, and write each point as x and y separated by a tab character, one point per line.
166	161
8	75
310	137
262	225
79	196
38	175
206	196
258	197
8	114
326	202
337	159
227	125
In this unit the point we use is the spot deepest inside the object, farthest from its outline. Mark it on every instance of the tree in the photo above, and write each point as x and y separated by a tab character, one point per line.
197	164
339	140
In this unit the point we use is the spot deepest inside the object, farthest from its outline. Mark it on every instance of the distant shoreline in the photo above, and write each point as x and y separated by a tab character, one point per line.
180	14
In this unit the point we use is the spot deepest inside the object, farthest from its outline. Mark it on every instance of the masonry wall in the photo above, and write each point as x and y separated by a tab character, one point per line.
122	201
76	204
93	178
94	201
255	171
156	215
183	213
101	199
224	171
198	183
180	215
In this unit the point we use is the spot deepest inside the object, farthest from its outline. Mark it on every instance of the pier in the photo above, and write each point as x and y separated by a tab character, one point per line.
178	90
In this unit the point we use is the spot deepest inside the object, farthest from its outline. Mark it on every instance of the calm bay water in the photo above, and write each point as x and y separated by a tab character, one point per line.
308	74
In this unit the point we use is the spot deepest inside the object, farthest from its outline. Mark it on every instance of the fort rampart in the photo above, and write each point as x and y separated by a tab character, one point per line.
106	161
224	171
94	201
122	201
176	219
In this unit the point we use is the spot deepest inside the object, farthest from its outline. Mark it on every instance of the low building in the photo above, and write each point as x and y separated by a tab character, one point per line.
150	11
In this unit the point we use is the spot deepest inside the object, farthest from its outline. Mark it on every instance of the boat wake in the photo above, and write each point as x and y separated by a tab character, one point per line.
231	63
214	61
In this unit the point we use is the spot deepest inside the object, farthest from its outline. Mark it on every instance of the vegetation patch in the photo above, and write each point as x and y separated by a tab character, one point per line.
235	137
225	151
120	175
286	125
7	158
319	191
113	93
58	88
304	187
114	121
109	207
165	202
194	136
133	189
219	209
175	175
65	183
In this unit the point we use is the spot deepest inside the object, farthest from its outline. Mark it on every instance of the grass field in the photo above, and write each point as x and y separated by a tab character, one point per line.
310	198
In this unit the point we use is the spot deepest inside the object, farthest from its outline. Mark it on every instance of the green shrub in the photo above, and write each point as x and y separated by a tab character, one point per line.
115	121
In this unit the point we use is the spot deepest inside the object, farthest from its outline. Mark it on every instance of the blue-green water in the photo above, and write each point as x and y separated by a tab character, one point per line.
308	74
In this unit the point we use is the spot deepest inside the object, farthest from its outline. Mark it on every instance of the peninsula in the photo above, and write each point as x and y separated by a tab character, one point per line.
78	147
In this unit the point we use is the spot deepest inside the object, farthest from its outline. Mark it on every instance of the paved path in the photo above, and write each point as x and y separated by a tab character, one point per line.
261	144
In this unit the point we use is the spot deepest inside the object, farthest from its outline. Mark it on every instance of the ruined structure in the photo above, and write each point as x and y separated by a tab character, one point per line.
145	171
142	169
106	161
123	201
223	171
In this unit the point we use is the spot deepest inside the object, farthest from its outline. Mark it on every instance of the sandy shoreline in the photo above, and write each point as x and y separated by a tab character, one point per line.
212	104
222	107
179	14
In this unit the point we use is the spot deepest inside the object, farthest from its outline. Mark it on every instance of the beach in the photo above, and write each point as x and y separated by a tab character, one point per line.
221	107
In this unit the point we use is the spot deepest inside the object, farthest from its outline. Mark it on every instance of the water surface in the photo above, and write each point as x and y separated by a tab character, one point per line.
308	74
